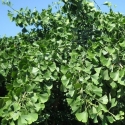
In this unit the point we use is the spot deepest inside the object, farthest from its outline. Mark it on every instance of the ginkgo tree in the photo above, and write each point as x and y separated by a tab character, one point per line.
68	69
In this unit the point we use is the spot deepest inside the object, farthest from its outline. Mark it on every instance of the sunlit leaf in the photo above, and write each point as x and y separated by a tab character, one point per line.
115	75
83	117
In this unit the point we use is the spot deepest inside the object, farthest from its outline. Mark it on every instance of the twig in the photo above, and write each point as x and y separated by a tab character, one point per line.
97	5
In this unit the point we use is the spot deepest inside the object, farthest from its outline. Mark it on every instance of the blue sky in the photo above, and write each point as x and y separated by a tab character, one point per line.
9	28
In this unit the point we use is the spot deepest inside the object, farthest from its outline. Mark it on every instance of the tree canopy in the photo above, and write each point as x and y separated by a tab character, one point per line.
68	69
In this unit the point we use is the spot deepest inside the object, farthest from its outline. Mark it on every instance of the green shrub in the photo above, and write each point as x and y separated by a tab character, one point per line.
68	69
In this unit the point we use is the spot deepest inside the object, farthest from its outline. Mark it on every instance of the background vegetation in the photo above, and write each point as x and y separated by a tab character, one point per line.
68	69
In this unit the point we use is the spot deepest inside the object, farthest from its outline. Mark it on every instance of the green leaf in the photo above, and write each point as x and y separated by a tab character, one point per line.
44	67
15	115
47	75
113	85
95	78
105	75
103	107
90	54
104	99
122	44
24	30
117	117
71	92
115	75
10	15
49	85
35	70
22	120
87	70
121	113
69	100
39	106
108	4
65	80
77	85
104	122
64	69
95	119
110	50
105	61
32	117
110	119
16	106
12	123
121	81
66	0
121	73
74	104
43	97
34	98
94	110
2	103
83	117
91	4
98	70
39	78
88	64
52	67
113	102
97	91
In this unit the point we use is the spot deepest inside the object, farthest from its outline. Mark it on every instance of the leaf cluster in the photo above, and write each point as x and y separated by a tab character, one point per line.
68	69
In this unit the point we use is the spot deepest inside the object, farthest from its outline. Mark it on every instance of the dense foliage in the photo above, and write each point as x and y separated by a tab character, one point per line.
68	69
